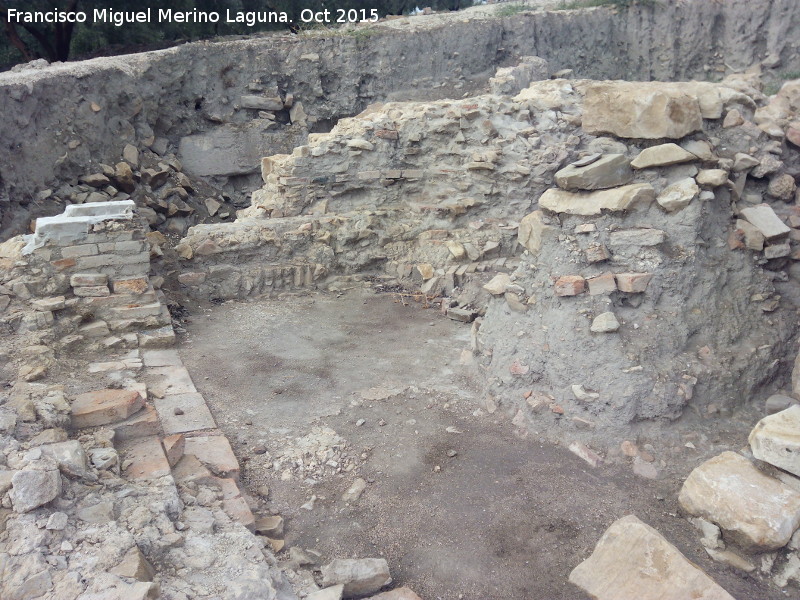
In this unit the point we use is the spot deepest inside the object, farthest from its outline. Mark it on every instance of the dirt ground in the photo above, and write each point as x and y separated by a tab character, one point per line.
460	506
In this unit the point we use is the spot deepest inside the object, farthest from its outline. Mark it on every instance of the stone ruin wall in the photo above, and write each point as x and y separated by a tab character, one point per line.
193	98
449	196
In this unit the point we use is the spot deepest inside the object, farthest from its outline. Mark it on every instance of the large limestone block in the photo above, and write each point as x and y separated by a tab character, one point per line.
533	231
608	171
632	561
32	489
594	203
642	110
756	511
776	440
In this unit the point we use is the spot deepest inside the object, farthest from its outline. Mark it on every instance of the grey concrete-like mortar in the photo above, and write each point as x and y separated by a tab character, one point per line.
192	88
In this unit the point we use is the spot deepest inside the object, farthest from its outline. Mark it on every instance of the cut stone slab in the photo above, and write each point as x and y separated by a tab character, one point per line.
360	577
633	561
640	110
161	358
163	337
766	221
163	381
215	452
662	156
533	231
174	447
31	489
589	204
776	440
142	424
143	458
609	171
181	413
678	195
636	237
758	512
103	407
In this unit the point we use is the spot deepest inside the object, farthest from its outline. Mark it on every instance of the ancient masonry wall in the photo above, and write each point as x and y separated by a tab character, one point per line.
225	105
111	469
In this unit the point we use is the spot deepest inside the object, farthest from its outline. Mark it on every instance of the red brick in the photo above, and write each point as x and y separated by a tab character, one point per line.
137	286
64	263
142	424
215	452
633	282
570	285
103	407
237	510
145	458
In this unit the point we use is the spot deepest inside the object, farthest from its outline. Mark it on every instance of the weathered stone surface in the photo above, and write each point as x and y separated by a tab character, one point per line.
402	593
662	156
678	195
766	221
333	592
360	577
498	284
609	171
594	203
776	440
636	237
271	526
144	458
181	413
215	452
605	323
712	177
757	512
354	492
533	231
632	560
605	283
104	406
640	110
261	103
777	403
69	455
134	565
31	489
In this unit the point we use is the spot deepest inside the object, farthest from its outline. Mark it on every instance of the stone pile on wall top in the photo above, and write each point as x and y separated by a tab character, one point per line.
74	224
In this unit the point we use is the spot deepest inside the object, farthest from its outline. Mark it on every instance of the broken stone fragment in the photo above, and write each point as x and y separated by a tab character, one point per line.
360	577
271	526
756	511
333	592
605	323
782	187
742	162
587	454
498	284
32	488
776	440
766	221
623	566
678	195
594	203
261	103
354	492
662	156
134	565
777	403
609	171
533	231
712	177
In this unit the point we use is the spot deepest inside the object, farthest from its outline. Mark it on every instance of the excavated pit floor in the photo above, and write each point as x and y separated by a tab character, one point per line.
505	517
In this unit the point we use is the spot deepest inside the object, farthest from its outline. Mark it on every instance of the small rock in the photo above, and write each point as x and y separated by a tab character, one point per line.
605	323
354	492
